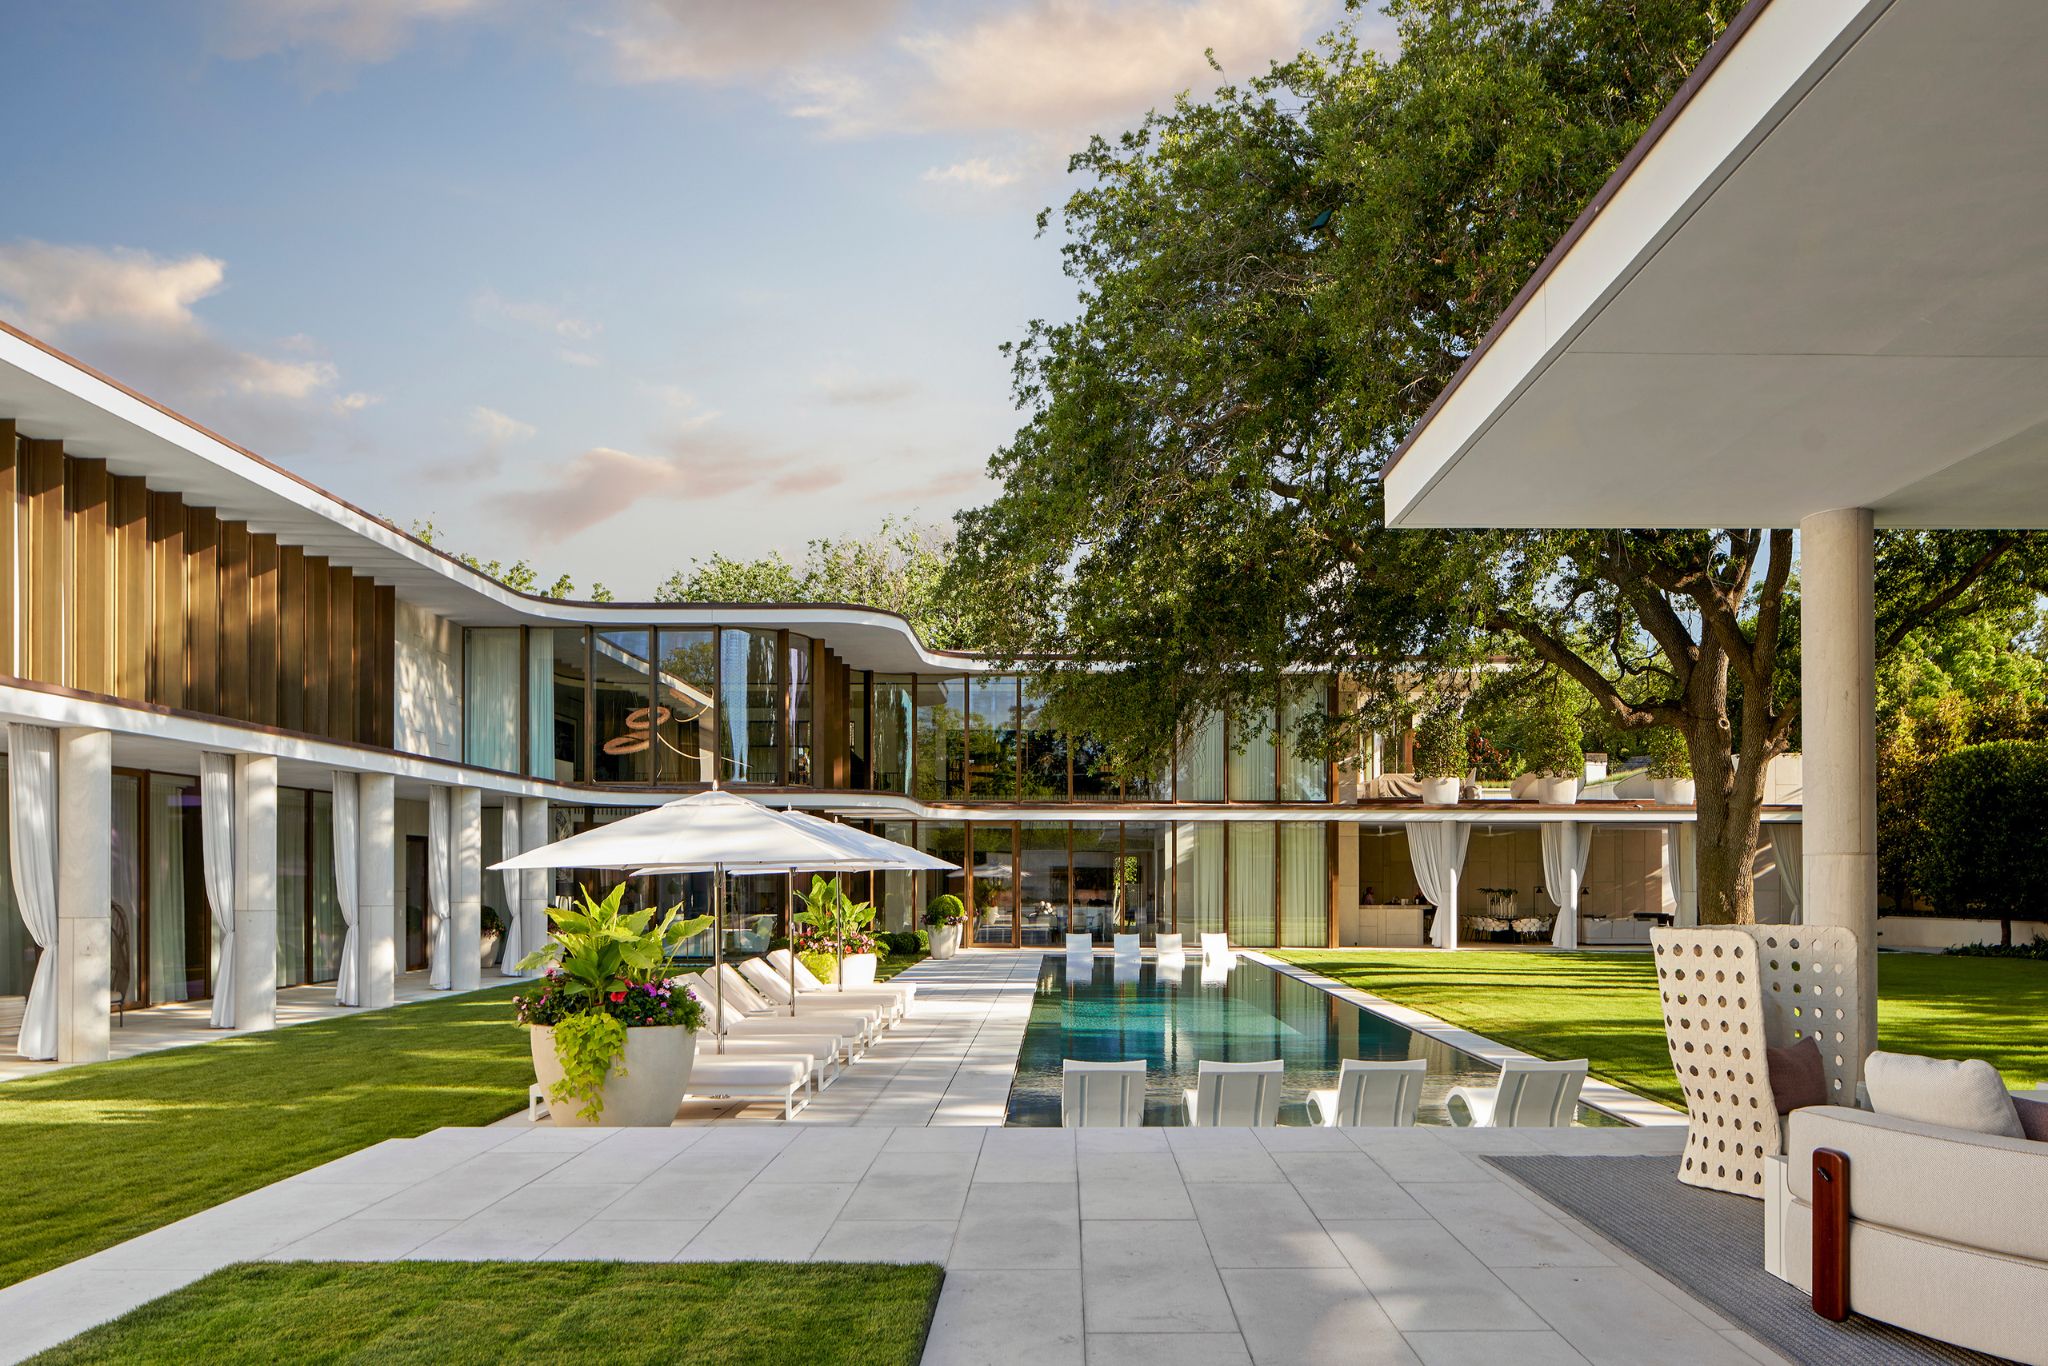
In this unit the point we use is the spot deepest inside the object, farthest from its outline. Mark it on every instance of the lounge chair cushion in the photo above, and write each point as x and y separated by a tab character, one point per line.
1956	1095
1798	1076
708	1074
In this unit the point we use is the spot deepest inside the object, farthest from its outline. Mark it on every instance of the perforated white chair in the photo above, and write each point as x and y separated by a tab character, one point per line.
1095	1095
1529	1095
1167	945
1217	947
1371	1095
1126	946
1080	943
1235	1095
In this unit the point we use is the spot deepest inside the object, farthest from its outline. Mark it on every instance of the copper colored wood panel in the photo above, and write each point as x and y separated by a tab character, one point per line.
9	495
41	528
234	620
202	610
383	726
89	615
168	573
263	655
291	637
319	635
341	653
128	523
365	722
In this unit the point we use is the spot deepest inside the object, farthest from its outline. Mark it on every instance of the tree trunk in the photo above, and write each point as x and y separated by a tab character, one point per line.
1730	794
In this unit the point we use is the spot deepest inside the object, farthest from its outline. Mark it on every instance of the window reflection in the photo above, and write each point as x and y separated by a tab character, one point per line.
685	718
941	738
568	662
750	733
890	766
1044	749
620	723
798	677
992	735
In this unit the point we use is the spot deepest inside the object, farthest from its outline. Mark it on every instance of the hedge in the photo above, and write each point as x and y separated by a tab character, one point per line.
1983	811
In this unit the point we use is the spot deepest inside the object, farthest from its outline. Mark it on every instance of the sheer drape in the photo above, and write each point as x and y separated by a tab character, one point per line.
347	989
32	843
217	847
1437	849
17	950
1302	778
439	907
1252	874
1565	847
1304	886
330	931
515	910
540	704
1251	768
491	683
169	964
293	871
1788	844
1199	775
124	929
1198	857
1680	845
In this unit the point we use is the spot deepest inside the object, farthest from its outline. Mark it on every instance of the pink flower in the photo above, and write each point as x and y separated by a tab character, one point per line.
618	996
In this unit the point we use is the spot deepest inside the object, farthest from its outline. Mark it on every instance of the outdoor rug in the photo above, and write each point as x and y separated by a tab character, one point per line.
1712	1243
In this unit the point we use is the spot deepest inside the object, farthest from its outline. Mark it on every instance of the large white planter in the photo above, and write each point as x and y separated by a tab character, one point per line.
644	1088
858	969
1674	791
487	948
1440	791
945	939
1555	791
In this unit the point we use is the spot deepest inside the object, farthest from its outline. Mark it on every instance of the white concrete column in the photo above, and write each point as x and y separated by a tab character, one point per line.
255	891
466	878
376	891
1838	703
533	833
85	890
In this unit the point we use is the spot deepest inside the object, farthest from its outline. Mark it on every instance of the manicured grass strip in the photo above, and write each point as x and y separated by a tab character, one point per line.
93	1155
897	962
733	1313
1603	1006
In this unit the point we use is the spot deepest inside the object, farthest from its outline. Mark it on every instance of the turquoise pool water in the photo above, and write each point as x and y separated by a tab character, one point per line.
1126	1009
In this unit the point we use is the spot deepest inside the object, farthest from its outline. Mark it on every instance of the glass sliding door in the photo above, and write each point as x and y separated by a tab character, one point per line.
1045	888
128	910
896	907
891	710
1148	865
994	865
329	932
946	840
1304	886
1254	883
619	701
18	951
491	692
686	719
750	706
294	875
1197	879
1097	848
180	924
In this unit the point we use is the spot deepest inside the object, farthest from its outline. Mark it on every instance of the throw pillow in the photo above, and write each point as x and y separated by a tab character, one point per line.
1957	1095
1798	1076
2033	1117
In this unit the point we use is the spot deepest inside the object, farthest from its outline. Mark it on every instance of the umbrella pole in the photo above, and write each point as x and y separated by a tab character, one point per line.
789	934
718	947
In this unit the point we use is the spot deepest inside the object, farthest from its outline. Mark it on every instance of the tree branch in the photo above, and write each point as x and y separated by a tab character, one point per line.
1918	615
1563	656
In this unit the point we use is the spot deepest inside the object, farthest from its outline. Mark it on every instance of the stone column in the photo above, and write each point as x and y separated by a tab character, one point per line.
85	890
533	833
466	879
376	890
255	891
1837	705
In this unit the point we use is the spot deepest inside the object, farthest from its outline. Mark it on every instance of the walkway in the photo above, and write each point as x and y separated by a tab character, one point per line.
1291	1246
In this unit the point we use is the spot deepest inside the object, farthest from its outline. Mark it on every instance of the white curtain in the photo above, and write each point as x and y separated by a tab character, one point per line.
1304	886
1565	847
168	961
1788	842
1680	859
1437	850
32	846
346	976
439	907
509	844
491	711
127	886
217	848
540	704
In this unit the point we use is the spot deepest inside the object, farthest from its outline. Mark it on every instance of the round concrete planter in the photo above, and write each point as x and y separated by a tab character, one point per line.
1674	791
1555	791
858	969
945	939
644	1089
1439	791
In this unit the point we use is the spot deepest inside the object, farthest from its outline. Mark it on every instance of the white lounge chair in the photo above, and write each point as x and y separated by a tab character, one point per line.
806	980
802	1036
726	1077
1529	1095
1371	1095
1216	948
1102	1094
774	988
1235	1095
1081	943
1126	945
741	996
1167	945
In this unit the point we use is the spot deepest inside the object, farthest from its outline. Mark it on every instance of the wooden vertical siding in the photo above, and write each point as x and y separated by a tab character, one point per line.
264	649
41	510
128	522
167	600
291	637
89	632
202	610
9	496
234	620
319	631
341	652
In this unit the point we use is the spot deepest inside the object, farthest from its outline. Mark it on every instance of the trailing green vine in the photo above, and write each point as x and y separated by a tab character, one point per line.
590	1048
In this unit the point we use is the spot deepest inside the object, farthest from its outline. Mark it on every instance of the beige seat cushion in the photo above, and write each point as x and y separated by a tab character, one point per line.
1956	1095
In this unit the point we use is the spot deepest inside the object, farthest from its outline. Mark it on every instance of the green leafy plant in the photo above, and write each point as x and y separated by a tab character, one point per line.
1440	749
945	910
823	966
1669	757
1552	744
837	923
605	970
2038	950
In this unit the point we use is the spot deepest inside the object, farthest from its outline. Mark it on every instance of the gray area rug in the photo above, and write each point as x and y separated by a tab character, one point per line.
1713	1244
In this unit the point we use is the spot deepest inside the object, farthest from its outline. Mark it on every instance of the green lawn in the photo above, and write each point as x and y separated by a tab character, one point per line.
897	962
1603	1006
734	1314
93	1155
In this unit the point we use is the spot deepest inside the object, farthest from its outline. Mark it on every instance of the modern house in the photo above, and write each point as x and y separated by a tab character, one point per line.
259	739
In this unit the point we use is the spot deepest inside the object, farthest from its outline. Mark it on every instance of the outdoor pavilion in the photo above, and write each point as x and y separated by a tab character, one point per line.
1815	295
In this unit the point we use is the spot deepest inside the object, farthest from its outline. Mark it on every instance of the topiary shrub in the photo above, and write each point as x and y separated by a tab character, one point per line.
1982	851
1440	748
1552	744
1669	758
945	910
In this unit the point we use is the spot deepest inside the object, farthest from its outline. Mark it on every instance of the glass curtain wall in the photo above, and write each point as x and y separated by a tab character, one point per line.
1097	846
1045	889
1198	775
1303	778
1251	768
797	674
491	696
749	699
685	687
1304	886
1254	882
891	707
568	729
1148	863
1044	749
1094	780
1198	879
896	906
995	884
541	756
941	738
619	697
294	875
180	930
859	765
946	840
992	737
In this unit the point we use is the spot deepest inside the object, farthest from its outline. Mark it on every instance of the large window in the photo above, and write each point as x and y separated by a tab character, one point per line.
569	663
492	692
1303	778
1044	749
1251	767
1044	885
1254	882
1198	775
619	699
896	907
992	737
1094	780
1148	876
1096	847
309	927
801	739
685	684
941	738
891	712
1198	879
1304	886
859	763
179	928
750	700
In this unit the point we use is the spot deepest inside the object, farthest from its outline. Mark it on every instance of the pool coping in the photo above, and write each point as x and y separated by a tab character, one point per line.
1606	1097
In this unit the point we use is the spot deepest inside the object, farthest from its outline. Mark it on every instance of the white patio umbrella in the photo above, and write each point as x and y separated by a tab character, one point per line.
721	833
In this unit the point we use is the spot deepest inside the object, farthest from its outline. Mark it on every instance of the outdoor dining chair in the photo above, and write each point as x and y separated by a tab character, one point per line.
1080	943
1371	1095
1235	1095
1097	1095
1126	946
1529	1095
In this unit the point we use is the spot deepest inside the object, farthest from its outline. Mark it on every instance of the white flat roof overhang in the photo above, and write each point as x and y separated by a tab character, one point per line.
1820	281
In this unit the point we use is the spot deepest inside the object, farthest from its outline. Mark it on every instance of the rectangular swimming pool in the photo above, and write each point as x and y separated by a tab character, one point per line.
1130	1009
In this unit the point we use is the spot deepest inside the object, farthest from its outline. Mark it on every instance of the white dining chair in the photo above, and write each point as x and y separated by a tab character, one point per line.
1080	943
1126	945
1095	1095
1371	1095
1216	947
1529	1095
1235	1095
1167	945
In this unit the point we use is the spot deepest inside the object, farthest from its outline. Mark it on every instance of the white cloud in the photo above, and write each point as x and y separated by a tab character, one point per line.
354	402
497	428
55	287
852	389
975	173
723	40
540	317
351	31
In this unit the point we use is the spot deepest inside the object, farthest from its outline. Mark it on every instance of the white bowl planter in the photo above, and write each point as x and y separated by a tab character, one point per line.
945	939
1439	791
858	969
1674	791
644	1088
487	948
1552	790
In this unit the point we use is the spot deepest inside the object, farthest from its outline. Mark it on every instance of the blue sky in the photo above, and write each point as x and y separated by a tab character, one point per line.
606	285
